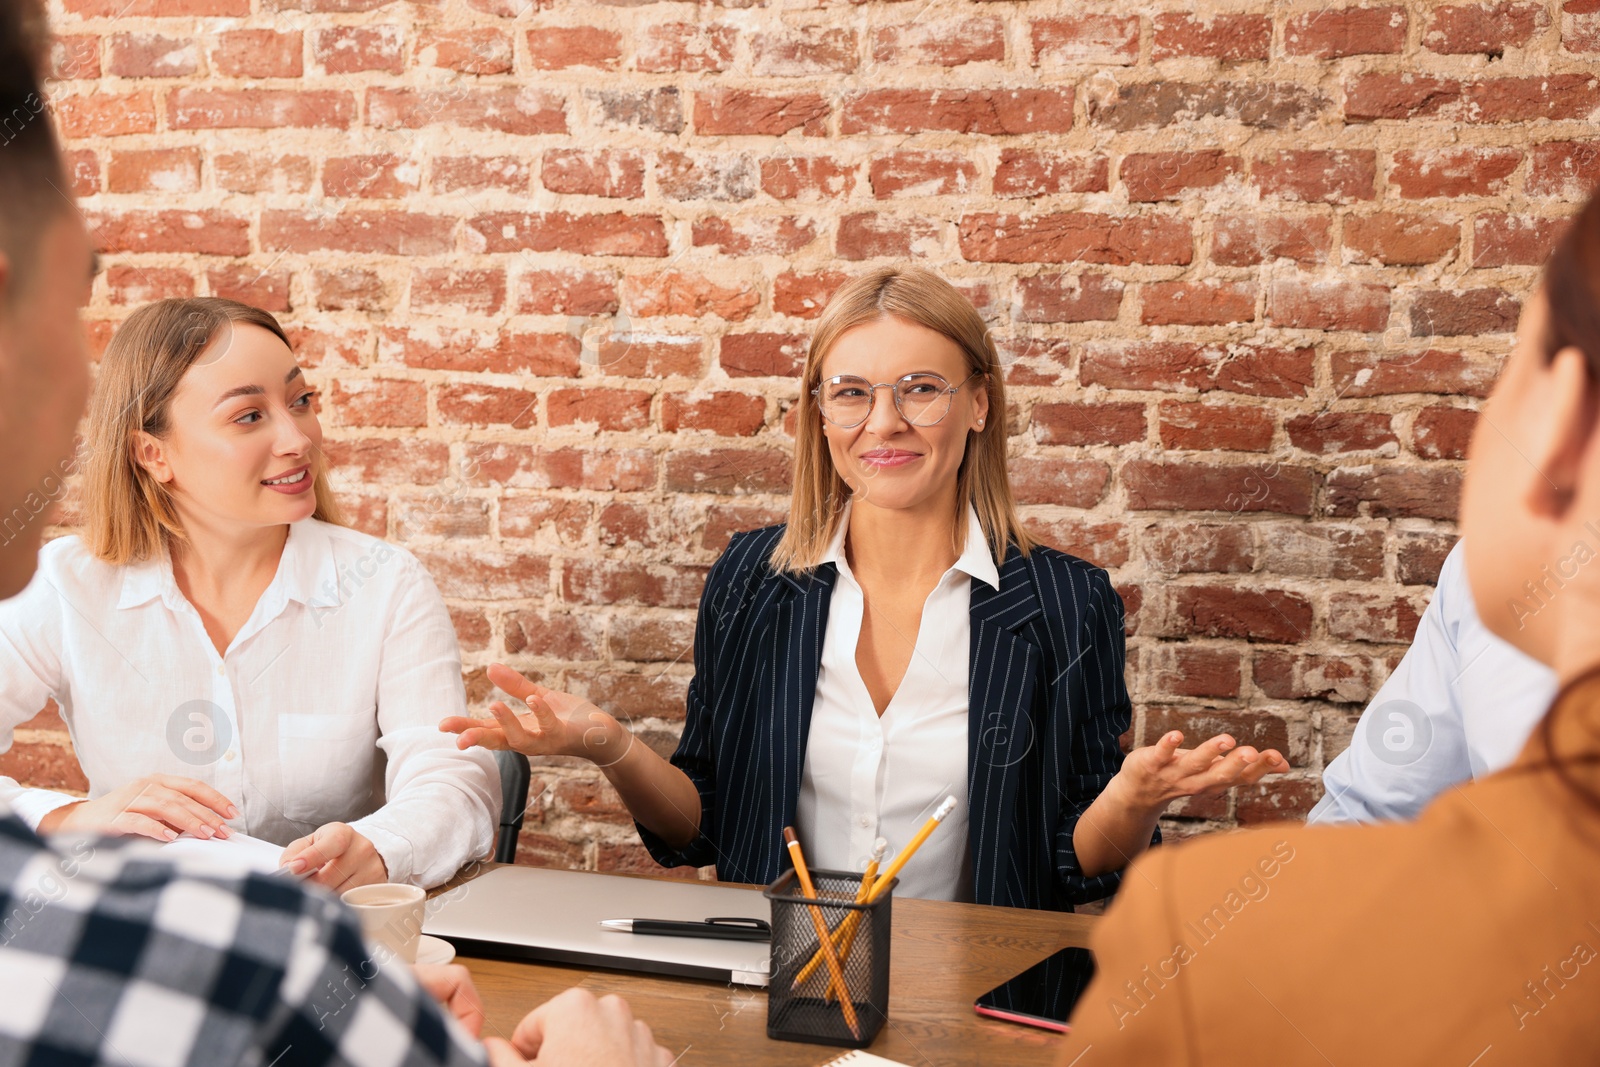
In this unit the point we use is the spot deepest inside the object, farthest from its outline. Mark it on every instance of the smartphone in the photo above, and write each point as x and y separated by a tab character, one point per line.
1044	994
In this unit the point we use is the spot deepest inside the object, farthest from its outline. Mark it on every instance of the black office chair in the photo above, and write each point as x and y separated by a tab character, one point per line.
514	778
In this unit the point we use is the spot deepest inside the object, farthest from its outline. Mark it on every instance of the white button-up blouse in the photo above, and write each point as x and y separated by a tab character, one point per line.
324	708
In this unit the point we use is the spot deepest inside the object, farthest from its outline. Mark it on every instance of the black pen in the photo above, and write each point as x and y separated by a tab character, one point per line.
724	929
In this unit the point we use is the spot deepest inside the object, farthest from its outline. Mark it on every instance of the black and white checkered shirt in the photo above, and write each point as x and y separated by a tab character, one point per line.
111	954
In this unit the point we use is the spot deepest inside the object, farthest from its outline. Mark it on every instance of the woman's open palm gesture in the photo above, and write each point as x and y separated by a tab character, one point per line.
555	723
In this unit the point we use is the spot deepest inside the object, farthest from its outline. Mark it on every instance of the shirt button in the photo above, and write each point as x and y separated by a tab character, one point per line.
228	755
221	669
865	821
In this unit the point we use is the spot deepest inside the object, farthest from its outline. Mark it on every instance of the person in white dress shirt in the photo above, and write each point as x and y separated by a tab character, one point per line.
900	640
228	656
1460	705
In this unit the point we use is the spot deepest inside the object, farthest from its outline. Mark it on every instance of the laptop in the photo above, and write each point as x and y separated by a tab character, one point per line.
542	914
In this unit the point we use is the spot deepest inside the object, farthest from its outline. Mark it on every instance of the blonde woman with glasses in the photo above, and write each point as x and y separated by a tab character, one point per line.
227	655
899	640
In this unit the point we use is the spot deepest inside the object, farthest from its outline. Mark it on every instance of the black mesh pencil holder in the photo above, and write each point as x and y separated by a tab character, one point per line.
802	1004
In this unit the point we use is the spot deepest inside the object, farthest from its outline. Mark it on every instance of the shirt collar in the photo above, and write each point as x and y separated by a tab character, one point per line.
307	572
975	559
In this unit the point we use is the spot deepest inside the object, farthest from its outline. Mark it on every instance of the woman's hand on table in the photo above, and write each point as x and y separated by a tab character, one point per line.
1154	776
555	723
579	1029
451	985
337	857
161	806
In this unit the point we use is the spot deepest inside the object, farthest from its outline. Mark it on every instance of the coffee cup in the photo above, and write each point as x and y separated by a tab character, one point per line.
391	916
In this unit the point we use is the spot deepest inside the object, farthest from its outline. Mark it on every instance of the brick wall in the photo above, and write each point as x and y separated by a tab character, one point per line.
554	264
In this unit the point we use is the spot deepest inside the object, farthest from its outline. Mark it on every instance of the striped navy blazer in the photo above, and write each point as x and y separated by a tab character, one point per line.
1047	705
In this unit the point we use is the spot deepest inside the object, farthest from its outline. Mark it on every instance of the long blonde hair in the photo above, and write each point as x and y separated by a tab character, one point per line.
817	504
130	516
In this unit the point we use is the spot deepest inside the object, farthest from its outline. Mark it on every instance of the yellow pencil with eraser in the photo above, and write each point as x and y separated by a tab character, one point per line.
832	958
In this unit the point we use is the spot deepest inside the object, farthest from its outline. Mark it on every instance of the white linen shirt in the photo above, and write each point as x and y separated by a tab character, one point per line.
325	707
866	776
1462	697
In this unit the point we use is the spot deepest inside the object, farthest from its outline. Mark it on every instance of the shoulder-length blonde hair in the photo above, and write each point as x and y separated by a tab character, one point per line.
922	297
129	514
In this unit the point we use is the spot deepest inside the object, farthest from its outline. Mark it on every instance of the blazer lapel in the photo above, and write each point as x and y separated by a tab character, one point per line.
800	619
1002	671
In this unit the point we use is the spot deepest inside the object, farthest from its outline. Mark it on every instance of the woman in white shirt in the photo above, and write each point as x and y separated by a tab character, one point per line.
227	655
901	639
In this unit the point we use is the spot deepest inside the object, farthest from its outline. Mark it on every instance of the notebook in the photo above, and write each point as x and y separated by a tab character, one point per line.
862	1059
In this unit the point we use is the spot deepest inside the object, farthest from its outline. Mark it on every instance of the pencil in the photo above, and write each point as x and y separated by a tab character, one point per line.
846	928
845	1001
881	886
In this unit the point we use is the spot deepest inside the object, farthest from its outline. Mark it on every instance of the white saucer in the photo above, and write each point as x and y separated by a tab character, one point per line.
434	950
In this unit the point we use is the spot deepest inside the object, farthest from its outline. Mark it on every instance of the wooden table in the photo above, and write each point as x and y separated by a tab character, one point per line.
944	956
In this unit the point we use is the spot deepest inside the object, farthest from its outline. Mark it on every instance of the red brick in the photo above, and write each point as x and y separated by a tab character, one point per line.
382	232
1326	432
150	55
728	470
1401	96
154	170
352	49
44	766
614	234
1072	483
1177	367
614	470
1453	172
652	356
725	520
1246	240
1472	312
1500	240
82	166
659	110
1218	487
1419	556
1056	297
1554	97
1260	729
1569	170
1165	104
381	461
652	638
98	114
1086	39
1374	617
945	43
1233	427
1200	303
602	173
1443	432
804	295
1105	544
486	573
1357	374
565	635
986	111
804	52
1149	176
248	172
454	349
1276	800
525	111
1487	29
258	54
1029	173
871	234
567	292
260	287
474	51
677	292
329	345
559	47
189	232
604	409
807	178
1214	610
762	355
207	109
1188	670
1333	33
143	285
156	8
74	56
434	516
758	236
454	174
524	517
379	402
685	47
922	174
680	176
1328	177
370	177
1230	37
1077	237
1200	547
1428	492
449	291
727	413
1304	551
1099	423
1328	305
352	289
728	112
1394	239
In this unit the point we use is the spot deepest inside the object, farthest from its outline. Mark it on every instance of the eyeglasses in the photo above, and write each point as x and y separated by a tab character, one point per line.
922	399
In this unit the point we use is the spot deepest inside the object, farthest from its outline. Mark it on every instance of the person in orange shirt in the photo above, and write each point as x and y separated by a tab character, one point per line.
1472	936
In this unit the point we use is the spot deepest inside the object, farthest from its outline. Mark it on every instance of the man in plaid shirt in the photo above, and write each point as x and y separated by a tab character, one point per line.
109	953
